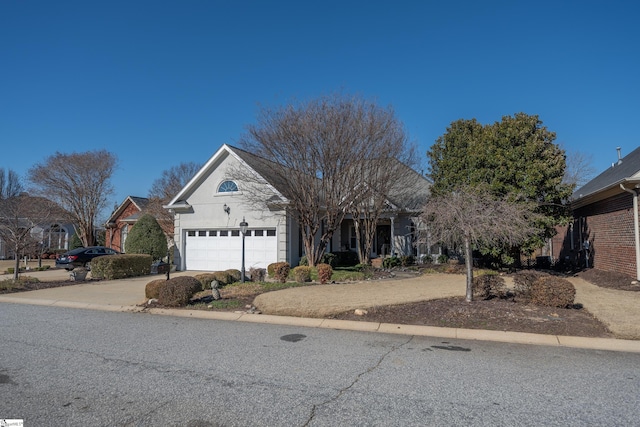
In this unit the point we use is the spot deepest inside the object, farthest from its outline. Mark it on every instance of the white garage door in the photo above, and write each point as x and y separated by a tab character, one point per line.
214	250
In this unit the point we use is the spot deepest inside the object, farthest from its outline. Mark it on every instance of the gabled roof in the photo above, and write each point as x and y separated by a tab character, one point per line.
625	172
408	197
140	203
411	196
260	167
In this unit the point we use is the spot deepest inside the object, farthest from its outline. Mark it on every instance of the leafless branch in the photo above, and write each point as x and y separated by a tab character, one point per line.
80	183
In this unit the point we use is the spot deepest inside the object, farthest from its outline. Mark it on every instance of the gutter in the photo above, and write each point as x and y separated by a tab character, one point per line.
635	226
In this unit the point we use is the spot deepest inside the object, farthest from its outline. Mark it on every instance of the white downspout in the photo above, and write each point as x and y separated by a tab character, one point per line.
635	227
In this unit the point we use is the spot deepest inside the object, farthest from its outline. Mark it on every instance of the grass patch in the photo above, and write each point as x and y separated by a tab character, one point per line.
225	304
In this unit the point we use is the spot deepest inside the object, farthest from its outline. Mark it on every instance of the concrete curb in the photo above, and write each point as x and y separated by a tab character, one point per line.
608	344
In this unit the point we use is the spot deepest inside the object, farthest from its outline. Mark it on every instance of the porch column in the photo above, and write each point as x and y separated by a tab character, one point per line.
393	236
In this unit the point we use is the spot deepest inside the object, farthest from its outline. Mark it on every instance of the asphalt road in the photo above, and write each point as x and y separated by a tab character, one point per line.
77	367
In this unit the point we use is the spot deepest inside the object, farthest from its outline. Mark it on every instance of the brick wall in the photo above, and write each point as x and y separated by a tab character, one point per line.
609	227
114	234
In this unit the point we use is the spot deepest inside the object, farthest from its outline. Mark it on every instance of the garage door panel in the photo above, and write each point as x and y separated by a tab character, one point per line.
220	249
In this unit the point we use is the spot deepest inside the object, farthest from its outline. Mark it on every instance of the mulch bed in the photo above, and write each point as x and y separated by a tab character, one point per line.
494	314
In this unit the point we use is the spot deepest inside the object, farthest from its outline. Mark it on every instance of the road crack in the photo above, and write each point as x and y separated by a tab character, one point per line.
355	381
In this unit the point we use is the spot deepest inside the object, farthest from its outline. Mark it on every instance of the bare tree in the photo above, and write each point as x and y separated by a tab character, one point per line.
317	151
10	184
471	216
386	185
173	180
20	214
579	168
78	182
164	189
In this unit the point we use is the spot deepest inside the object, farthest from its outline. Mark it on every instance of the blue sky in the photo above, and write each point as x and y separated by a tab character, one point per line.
164	82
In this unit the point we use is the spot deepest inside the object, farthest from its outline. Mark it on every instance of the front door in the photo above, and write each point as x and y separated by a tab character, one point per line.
383	240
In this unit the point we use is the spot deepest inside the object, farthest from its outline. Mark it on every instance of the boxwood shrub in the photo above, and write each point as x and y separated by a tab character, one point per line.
152	289
302	273
120	266
177	292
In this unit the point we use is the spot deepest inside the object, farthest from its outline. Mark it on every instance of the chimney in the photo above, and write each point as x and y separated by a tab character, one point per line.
619	156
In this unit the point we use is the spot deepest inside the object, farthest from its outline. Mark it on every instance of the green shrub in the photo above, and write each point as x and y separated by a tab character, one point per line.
361	267
152	289
302	273
223	277
329	258
324	272
407	260
281	271
146	237
75	242
120	266
236	275
442	259
344	259
552	291
178	291
488	286
426	259
391	262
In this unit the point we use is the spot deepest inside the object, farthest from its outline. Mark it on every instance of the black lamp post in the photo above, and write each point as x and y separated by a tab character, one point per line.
243	230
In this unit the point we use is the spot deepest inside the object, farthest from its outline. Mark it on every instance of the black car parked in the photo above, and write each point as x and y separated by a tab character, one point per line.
81	257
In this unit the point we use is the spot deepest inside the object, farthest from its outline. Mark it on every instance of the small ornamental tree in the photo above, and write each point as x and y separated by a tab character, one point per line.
147	237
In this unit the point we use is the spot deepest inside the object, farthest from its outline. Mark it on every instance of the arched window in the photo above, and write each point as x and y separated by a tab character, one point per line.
227	187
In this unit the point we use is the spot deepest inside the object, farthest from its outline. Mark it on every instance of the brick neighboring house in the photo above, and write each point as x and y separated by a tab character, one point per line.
605	225
122	219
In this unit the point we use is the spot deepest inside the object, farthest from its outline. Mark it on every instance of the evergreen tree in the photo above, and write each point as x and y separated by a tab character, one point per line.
147	237
516	157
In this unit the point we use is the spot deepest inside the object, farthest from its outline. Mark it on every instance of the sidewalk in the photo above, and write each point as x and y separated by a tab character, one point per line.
619	310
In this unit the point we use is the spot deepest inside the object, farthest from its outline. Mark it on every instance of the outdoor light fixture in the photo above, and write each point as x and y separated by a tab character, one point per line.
226	208
243	230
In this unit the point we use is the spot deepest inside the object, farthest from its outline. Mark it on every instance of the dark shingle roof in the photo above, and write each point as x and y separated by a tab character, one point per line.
626	168
406	195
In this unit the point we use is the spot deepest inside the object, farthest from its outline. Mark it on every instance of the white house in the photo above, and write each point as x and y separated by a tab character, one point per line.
209	209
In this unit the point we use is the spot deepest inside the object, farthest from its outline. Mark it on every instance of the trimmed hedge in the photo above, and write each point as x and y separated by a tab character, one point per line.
152	289
553	291
120	266
543	289
178	291
223	278
302	274
522	283
236	275
280	270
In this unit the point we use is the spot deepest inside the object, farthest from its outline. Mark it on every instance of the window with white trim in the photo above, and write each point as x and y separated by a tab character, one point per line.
228	186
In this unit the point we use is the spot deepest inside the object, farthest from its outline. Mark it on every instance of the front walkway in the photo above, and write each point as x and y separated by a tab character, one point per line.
619	310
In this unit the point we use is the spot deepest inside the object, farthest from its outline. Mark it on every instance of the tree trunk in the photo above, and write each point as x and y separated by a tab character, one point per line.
16	266
468	255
